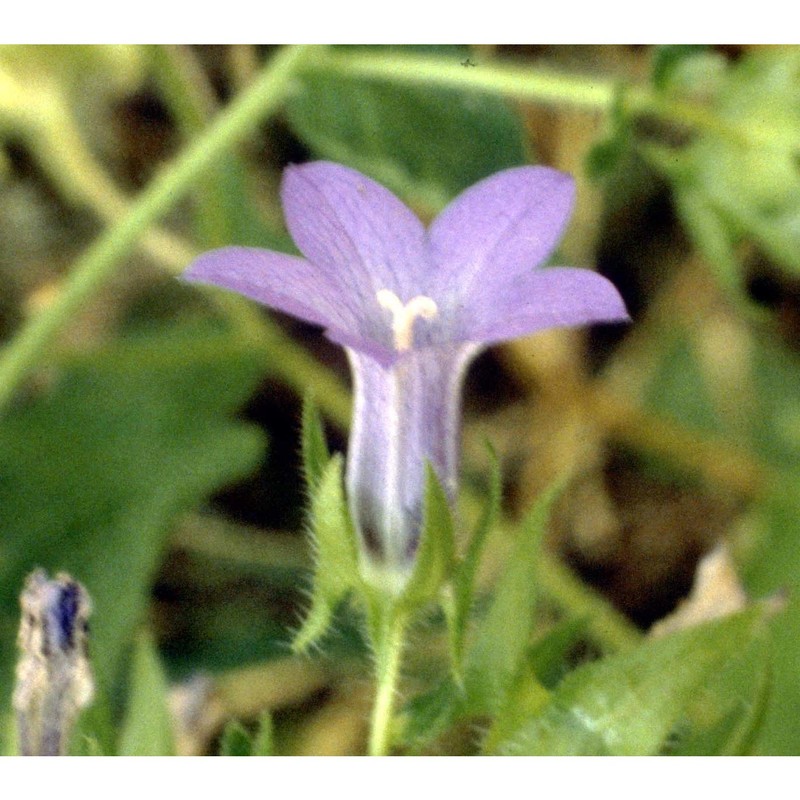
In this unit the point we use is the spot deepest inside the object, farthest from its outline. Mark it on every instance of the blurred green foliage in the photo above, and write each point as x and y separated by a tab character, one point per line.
628	704
147	728
97	469
425	144
123	429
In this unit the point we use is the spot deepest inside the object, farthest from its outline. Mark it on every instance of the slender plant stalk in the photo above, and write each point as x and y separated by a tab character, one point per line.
191	99
100	260
187	91
81	179
522	82
389	634
508	78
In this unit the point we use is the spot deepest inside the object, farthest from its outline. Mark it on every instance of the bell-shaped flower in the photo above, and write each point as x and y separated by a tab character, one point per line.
413	306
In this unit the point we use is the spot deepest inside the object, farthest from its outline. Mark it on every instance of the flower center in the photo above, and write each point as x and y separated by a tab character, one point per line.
404	314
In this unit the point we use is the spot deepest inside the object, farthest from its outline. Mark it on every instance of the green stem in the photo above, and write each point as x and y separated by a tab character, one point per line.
190	98
545	86
508	79
99	261
80	179
388	635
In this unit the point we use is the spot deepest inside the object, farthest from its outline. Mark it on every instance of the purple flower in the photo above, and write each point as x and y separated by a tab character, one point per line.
412	306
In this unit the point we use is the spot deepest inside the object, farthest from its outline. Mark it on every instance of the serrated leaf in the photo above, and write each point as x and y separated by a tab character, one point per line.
335	553
627	704
425	143
543	668
503	635
235	741
94	471
147	729
463	584
314	446
436	552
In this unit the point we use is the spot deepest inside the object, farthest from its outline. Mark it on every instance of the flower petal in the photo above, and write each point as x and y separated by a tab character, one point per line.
283	282
355	230
499	227
404	416
555	297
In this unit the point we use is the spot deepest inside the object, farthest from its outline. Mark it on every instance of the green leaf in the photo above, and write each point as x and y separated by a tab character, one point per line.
528	693
147	729
336	555
735	702
96	730
712	236
436	552
236	741
681	389
264	739
428	716
461	600
94	471
314	446
613	151
627	704
775	568
504	634
775	427
87	746
524	698
666	59
8	736
742	173
243	220
426	144
548	657
686	69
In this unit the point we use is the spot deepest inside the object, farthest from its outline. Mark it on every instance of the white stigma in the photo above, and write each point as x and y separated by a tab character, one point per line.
404	314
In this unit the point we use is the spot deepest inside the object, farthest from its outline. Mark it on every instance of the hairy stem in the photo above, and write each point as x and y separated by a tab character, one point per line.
388	633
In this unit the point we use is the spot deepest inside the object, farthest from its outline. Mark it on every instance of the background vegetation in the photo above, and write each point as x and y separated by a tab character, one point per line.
150	431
